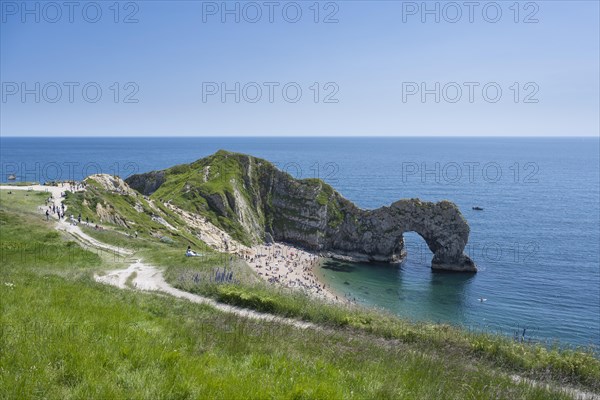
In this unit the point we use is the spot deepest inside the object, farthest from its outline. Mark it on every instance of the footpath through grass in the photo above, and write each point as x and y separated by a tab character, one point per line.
65	336
579	367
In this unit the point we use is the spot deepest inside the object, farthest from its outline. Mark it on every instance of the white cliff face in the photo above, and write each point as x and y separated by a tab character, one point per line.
112	184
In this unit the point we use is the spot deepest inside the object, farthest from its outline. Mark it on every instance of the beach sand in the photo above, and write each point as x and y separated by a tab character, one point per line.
290	267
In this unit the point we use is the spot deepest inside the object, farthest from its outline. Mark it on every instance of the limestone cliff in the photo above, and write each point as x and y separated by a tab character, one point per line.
254	201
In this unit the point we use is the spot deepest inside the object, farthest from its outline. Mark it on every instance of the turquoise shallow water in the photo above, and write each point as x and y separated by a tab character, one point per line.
536	242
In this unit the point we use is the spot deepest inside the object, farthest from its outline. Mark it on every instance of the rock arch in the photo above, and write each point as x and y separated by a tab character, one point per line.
377	235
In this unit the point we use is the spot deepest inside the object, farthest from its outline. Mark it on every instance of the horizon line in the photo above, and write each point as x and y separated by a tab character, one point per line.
304	136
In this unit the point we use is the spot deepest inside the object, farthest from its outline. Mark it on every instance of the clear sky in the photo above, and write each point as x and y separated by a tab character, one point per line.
371	62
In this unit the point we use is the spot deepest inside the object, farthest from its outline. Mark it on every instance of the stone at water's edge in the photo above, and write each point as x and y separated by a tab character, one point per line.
462	264
255	202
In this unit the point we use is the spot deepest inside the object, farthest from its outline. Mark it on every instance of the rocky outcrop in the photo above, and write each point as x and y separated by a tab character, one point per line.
110	183
107	214
147	183
254	201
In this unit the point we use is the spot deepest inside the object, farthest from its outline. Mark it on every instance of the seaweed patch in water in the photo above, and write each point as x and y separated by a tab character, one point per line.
337	266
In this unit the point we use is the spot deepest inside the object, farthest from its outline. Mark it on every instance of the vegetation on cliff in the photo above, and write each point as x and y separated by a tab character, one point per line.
236	193
65	336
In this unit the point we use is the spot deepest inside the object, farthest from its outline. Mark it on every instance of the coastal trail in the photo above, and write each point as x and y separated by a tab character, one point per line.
64	224
146	277
140	276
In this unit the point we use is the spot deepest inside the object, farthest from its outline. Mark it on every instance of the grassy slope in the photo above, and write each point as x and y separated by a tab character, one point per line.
65	336
579	366
140	222
186	187
194	275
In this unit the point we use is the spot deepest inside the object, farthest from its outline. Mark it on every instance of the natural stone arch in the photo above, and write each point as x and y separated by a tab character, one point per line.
377	235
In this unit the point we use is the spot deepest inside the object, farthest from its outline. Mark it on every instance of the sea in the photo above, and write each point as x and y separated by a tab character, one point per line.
536	240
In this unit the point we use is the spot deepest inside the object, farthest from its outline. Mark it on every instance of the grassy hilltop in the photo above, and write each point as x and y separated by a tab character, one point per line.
243	195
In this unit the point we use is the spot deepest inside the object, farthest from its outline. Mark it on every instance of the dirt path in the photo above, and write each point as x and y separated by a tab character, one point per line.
86	239
64	224
142	276
148	278
145	277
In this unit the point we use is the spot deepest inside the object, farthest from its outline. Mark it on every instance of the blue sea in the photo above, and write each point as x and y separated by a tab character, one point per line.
536	242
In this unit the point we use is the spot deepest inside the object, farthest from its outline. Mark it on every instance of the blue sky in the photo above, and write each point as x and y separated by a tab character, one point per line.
371	61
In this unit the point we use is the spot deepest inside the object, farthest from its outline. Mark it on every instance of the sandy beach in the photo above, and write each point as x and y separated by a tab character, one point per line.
288	266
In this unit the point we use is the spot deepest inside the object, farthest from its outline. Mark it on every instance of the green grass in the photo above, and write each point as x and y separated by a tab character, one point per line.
576	366
123	209
211	192
186	188
77	339
65	336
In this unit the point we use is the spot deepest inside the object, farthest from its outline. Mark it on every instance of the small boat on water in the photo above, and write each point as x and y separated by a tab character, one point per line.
12	177
477	208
